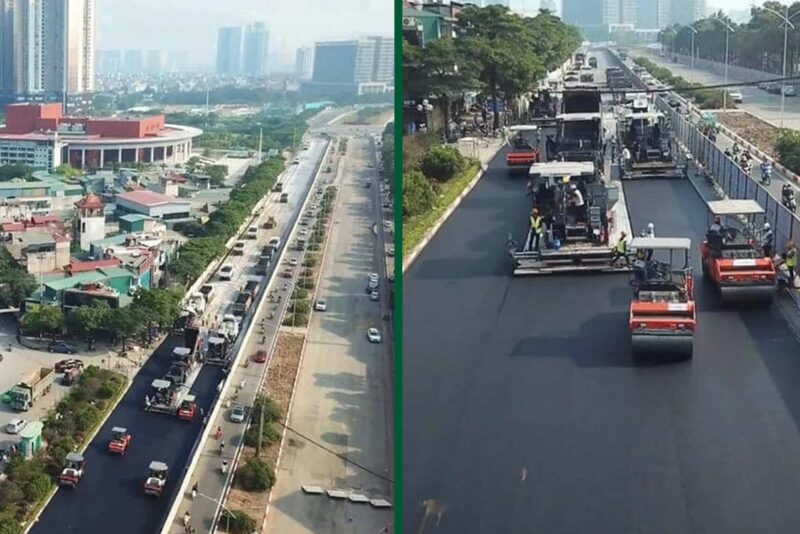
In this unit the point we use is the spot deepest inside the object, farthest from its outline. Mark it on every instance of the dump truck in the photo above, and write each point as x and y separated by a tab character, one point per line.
270	222
242	303
251	287
27	392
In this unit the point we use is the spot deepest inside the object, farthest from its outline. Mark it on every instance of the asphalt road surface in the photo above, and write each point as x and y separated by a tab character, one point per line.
110	480
524	412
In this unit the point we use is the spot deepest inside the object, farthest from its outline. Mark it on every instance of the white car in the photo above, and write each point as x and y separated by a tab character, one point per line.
374	335
374	277
321	305
788	90
293	262
275	242
15	425
237	414
374	295
303	231
736	96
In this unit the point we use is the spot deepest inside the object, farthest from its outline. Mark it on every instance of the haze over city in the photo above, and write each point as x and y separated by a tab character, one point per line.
121	24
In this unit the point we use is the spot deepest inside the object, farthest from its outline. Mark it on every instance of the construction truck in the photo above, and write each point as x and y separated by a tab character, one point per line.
573	237
242	303
230	327
580	59
182	366
542	108
73	470
217	350
593	62
662	313
120	441
72	375
579	133
156	480
733	259
26	393
523	141
251	287
163	396
650	142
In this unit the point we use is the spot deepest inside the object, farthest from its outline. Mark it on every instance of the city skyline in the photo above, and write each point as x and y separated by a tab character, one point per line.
196	28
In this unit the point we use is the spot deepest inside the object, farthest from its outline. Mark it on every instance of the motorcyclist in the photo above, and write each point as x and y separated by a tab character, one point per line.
786	192
736	148
766	170
767	238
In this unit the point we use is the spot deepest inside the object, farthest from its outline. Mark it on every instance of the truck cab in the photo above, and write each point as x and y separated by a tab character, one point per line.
188	408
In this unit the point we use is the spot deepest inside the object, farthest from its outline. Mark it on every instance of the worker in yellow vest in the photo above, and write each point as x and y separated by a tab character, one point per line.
791	260
537	226
621	250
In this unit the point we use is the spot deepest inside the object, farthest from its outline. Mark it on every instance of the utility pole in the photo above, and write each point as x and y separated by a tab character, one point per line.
260	426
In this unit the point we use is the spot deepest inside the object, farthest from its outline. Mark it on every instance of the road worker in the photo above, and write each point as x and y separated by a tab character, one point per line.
791	260
537	225
621	250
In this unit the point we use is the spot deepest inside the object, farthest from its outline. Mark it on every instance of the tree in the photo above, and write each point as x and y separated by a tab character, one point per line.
159	307
502	45
418	194
15	285
40	320
9	524
441	163
237	522
11	172
441	69
86	321
217	174
123	323
68	171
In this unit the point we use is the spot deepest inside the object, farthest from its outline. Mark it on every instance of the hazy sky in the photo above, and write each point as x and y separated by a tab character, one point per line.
192	24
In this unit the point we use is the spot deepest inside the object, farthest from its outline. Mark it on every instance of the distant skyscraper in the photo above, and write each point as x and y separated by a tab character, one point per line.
653	14
109	61
255	49
229	50
375	60
155	61
335	62
133	61
304	63
619	12
47	46
550	5
582	13
353	67
687	11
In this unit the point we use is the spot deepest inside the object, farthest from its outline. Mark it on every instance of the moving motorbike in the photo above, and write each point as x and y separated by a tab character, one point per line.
766	174
788	199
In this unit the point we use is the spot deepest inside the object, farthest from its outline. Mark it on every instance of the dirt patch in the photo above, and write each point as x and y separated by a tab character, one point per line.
278	385
758	132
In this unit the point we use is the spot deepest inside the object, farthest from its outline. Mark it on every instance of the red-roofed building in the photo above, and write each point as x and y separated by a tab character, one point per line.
153	205
89	142
75	267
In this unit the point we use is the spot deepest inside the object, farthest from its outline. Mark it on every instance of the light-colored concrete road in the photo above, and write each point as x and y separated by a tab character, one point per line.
344	391
207	471
760	103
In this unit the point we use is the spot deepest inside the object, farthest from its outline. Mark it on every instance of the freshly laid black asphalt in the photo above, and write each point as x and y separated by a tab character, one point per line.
524	412
110	496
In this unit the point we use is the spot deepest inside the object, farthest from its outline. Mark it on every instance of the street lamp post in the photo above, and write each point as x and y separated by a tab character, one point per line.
787	22
694	32
728	31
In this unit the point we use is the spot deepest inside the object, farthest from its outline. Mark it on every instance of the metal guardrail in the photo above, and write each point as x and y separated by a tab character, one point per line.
733	181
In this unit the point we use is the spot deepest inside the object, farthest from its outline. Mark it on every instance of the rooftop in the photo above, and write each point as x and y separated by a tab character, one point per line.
150	198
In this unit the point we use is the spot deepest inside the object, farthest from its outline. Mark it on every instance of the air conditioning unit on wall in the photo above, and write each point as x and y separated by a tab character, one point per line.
409	23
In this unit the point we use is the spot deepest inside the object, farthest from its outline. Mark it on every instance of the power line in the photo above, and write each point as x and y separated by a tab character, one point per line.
331	451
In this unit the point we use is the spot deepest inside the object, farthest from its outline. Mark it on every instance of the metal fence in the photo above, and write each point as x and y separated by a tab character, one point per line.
730	177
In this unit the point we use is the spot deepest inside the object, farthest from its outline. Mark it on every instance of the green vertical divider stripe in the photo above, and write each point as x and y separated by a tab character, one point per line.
398	269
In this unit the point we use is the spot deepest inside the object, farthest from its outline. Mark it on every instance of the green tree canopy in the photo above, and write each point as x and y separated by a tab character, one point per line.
40	320
86	321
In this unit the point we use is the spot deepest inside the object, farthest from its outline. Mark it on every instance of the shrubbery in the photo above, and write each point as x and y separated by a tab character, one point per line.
255	475
236	522
788	148
441	163
418	194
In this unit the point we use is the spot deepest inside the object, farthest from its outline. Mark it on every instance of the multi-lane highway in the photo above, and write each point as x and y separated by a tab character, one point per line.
524	411
110	496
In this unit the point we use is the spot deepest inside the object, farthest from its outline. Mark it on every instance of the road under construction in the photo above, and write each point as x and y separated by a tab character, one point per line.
525	411
110	496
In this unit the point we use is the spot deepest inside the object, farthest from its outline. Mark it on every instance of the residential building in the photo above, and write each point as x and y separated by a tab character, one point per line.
155	61
304	63
46	48
229	50
687	11
91	222
40	245
41	195
255	48
42	135
109	61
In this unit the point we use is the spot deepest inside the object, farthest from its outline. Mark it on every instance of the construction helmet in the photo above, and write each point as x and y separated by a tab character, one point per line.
651	226
766	226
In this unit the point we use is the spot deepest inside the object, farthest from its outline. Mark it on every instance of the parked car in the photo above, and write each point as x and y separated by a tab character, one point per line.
15	426
288	273
238	413
373	335
374	295
226	272
61	347
260	356
788	90
65	365
736	96
293	262
238	248
321	305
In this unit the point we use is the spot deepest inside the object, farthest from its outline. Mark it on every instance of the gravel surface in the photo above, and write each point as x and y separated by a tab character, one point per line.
750	127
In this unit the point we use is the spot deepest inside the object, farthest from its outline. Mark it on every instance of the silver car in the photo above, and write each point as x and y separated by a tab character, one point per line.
238	413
